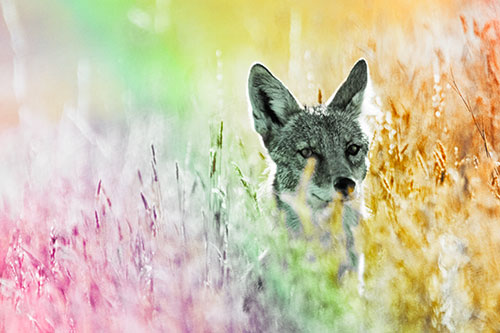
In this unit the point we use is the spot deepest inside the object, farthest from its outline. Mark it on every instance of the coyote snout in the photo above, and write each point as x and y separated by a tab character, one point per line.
345	186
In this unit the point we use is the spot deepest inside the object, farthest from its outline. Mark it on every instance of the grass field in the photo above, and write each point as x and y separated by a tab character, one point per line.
135	196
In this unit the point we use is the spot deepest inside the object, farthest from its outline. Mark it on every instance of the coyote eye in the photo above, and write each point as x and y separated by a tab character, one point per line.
353	150
306	152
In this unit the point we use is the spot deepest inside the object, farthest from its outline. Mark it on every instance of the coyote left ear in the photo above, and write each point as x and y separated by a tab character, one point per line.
350	93
272	103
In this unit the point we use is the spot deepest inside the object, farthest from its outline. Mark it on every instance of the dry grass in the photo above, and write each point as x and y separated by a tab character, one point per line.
102	233
432	238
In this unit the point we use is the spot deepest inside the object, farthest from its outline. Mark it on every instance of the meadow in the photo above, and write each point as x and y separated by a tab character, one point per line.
135	195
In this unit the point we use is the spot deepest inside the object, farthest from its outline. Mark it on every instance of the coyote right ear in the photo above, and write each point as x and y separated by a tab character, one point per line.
350	93
272	103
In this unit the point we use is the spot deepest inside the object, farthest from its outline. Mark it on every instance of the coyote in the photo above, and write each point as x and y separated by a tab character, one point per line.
333	134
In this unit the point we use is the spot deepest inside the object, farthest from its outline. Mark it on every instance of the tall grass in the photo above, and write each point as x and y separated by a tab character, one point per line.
432	236
105	229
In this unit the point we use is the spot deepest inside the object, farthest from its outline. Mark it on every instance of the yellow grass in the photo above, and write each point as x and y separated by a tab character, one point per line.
433	237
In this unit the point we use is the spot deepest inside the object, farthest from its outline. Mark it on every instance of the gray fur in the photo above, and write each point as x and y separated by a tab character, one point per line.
327	129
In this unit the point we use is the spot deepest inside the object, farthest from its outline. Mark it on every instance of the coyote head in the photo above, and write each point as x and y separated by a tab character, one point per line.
330	133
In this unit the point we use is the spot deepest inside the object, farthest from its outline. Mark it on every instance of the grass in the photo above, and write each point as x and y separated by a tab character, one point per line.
113	233
434	199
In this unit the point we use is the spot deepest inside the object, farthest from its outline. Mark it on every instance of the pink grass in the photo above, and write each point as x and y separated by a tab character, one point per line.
92	246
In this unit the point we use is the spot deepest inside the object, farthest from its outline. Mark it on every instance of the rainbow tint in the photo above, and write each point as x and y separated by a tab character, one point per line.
134	191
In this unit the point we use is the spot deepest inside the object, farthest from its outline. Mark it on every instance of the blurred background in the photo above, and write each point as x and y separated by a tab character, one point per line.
99	97
189	60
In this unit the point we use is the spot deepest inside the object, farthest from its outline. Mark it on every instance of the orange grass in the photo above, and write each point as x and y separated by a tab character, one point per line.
433	189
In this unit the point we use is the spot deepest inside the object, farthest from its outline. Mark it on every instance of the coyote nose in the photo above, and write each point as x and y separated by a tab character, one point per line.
344	186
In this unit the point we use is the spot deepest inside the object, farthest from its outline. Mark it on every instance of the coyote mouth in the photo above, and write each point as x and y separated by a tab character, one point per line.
320	198
323	203
341	197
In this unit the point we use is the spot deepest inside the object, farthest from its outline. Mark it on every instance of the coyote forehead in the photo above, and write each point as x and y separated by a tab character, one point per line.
332	133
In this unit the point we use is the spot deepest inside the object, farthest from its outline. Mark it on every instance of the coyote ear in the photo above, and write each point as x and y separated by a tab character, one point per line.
350	94
272	103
